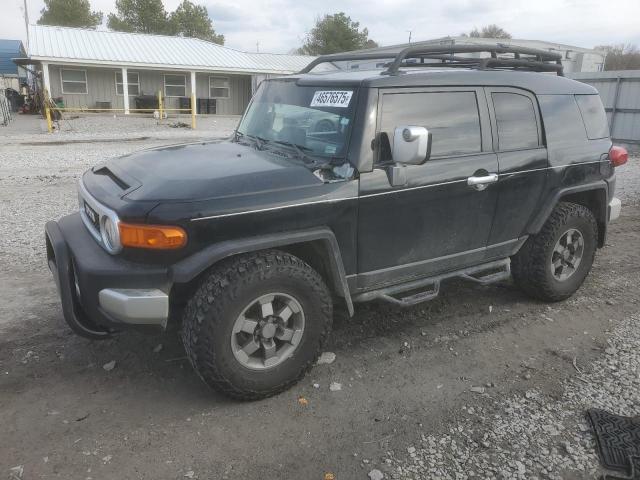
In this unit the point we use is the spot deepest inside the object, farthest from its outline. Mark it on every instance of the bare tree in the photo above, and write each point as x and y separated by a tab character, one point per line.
621	56
489	31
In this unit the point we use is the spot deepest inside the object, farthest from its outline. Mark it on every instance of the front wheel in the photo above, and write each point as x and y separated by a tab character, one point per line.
552	264
257	324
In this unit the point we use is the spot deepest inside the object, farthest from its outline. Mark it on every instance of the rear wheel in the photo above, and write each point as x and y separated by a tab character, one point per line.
553	264
257	324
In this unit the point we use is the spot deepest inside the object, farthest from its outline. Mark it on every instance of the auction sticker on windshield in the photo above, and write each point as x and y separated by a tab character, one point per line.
331	98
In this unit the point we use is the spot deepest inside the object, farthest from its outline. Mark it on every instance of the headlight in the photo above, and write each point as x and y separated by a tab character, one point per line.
110	234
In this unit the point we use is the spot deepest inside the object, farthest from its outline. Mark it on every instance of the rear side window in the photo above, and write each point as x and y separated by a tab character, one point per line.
516	119
562	120
451	117
593	115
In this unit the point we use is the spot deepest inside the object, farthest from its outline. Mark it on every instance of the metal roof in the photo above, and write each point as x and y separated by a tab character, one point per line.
462	40
77	45
9	49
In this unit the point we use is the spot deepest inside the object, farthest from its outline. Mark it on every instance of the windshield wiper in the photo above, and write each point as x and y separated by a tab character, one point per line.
299	149
260	142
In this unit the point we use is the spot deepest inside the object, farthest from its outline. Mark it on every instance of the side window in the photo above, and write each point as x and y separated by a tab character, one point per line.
516	120
451	117
593	115
562	120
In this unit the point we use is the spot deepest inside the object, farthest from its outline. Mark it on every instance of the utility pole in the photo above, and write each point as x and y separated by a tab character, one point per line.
258	46
410	31
26	22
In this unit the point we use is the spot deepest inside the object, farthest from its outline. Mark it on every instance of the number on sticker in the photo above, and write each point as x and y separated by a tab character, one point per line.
331	98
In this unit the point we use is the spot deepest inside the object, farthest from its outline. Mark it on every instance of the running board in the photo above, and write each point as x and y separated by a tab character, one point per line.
429	288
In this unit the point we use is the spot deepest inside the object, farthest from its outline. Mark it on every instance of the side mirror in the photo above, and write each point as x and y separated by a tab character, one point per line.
411	145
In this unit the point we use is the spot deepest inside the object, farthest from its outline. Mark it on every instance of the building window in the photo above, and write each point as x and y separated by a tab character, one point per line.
175	85
134	83
219	87
73	81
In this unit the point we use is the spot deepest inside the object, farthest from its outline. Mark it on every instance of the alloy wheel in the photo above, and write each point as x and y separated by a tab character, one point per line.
567	254
267	331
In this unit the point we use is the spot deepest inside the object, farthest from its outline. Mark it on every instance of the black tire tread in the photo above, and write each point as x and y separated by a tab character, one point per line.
528	266
205	311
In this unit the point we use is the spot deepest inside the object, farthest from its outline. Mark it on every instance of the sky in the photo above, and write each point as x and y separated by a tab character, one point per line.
278	26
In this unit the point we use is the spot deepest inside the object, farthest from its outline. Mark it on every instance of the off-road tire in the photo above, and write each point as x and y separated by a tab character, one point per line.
211	312
530	266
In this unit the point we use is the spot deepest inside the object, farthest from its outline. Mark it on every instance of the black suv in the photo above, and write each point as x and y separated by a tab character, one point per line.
340	187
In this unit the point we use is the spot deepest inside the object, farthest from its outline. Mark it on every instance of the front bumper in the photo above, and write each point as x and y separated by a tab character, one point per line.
100	292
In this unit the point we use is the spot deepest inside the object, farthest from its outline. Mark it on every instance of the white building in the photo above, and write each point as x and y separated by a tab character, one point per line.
92	69
574	59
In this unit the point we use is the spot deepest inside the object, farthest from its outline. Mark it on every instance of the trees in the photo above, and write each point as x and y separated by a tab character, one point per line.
336	33
69	13
190	20
490	31
149	16
144	16
621	56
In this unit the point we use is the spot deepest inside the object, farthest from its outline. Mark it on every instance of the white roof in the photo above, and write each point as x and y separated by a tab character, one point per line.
103	47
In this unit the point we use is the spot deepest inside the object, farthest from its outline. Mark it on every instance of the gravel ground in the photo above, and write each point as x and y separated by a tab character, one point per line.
531	434
479	383
98	127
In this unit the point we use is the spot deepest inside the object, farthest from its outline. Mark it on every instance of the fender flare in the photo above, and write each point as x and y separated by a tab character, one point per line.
187	269
535	225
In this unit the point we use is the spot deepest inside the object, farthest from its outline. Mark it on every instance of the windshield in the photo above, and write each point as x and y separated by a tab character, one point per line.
316	120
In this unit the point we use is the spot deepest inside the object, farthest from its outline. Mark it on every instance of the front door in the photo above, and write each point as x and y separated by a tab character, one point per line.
438	220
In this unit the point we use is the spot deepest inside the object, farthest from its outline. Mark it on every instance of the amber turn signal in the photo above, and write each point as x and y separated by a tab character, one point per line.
157	237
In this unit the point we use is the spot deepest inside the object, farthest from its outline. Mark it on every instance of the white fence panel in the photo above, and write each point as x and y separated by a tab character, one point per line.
620	93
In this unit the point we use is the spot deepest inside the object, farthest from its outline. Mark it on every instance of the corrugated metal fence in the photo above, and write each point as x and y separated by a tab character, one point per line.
620	93
5	109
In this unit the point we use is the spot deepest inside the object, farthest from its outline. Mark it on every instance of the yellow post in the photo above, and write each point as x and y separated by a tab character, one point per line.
47	111
193	111
160	103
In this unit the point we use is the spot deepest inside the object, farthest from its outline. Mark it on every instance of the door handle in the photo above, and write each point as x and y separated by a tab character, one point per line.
480	183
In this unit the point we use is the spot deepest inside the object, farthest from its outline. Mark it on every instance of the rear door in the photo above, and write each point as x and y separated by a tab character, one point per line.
522	162
436	221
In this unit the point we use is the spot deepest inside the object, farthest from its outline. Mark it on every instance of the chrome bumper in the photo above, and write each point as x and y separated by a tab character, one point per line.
136	306
615	206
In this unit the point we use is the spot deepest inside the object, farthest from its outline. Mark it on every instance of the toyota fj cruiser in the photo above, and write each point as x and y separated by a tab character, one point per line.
343	186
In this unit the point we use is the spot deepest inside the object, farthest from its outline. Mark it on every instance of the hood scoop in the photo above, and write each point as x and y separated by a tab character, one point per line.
104	170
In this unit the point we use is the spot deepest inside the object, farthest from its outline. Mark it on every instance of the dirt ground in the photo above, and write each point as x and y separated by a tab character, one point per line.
405	373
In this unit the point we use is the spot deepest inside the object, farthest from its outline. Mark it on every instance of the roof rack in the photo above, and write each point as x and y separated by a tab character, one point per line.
522	58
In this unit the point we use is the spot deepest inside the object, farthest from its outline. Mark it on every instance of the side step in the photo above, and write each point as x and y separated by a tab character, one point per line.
429	288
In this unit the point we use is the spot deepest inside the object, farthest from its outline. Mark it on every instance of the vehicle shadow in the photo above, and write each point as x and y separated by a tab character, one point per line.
157	363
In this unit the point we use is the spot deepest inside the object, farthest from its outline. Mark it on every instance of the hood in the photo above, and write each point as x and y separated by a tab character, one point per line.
201	171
